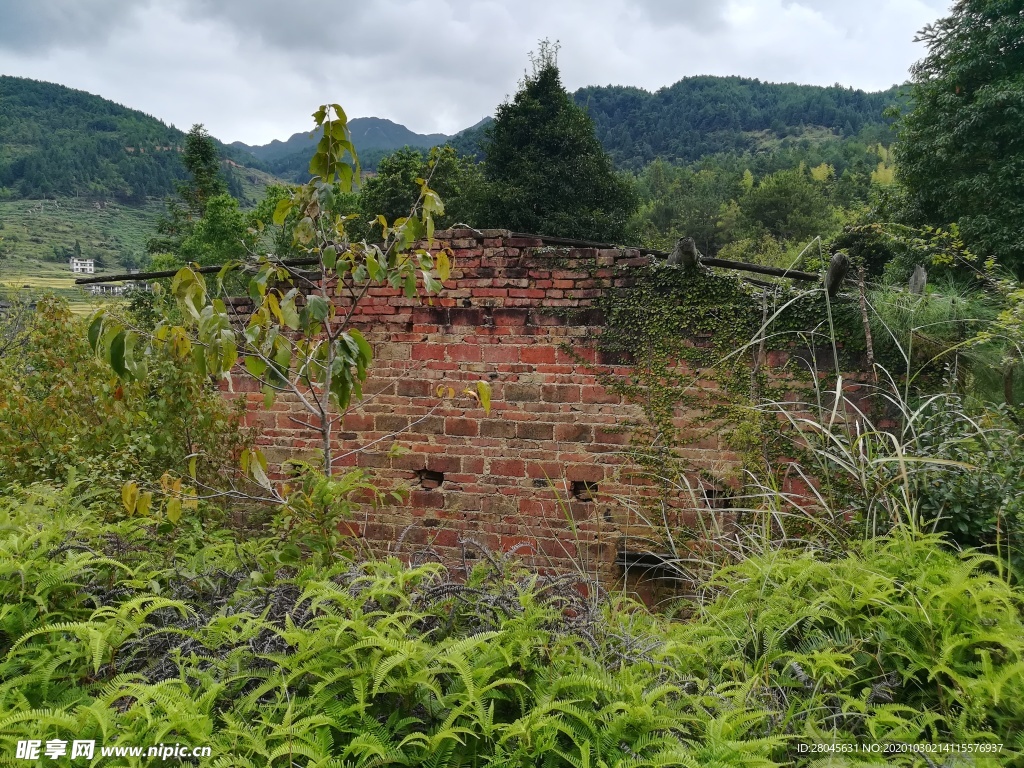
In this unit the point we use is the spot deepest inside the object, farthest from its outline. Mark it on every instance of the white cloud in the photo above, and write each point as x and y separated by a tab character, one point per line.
254	69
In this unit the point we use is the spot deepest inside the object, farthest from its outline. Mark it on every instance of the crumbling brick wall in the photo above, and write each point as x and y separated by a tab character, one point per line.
541	472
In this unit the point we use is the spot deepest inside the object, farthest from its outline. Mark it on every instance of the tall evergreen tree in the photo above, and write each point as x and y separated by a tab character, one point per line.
203	166
960	154
546	169
204	183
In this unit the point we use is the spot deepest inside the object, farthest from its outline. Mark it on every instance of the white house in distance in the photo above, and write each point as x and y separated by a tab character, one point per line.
82	266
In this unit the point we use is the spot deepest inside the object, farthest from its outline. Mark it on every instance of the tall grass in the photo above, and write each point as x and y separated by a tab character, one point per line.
864	458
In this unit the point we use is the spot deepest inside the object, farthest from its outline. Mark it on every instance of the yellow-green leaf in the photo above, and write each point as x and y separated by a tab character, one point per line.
284	207
174	510
484	391
130	496
443	265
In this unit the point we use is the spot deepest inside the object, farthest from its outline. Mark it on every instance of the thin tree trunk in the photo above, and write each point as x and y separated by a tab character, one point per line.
868	342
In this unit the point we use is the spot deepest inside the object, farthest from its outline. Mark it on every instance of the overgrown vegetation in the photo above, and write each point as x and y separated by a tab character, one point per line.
209	641
960	152
849	595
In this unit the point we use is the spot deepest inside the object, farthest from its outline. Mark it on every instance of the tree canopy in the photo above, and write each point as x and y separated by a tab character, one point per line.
706	115
394	189
546	170
204	224
960	155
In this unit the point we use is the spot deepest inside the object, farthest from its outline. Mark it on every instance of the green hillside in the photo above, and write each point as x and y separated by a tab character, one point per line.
75	167
700	116
707	115
60	142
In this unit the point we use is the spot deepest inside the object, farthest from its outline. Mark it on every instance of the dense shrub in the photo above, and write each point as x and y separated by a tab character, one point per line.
206	641
62	409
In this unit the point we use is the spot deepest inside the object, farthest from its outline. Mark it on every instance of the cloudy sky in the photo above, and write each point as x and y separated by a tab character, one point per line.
253	70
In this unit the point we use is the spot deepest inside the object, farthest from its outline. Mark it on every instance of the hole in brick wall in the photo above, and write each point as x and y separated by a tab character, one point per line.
467	303
540	483
430	479
584	490
717	498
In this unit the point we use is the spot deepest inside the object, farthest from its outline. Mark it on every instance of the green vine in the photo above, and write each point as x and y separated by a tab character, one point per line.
697	345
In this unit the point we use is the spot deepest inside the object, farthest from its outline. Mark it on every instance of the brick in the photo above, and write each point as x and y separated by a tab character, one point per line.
409	461
591	473
431	425
574	433
392	351
464	352
426	500
529	430
461	427
508	467
390	423
498	428
428	352
545	319
370	459
499	353
537	354
414	388
511	317
521	393
463	316
610	437
473	466
554	393
442	463
595	394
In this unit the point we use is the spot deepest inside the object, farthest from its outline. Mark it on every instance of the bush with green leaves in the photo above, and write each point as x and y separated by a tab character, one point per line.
979	500
205	640
62	409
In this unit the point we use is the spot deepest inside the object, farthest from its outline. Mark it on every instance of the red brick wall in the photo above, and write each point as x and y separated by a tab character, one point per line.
551	420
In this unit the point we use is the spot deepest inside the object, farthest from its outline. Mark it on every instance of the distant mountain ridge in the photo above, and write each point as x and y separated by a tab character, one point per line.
367	133
57	141
705	115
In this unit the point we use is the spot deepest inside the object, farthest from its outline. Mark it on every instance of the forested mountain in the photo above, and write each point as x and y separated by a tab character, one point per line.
707	115
60	142
56	141
700	116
